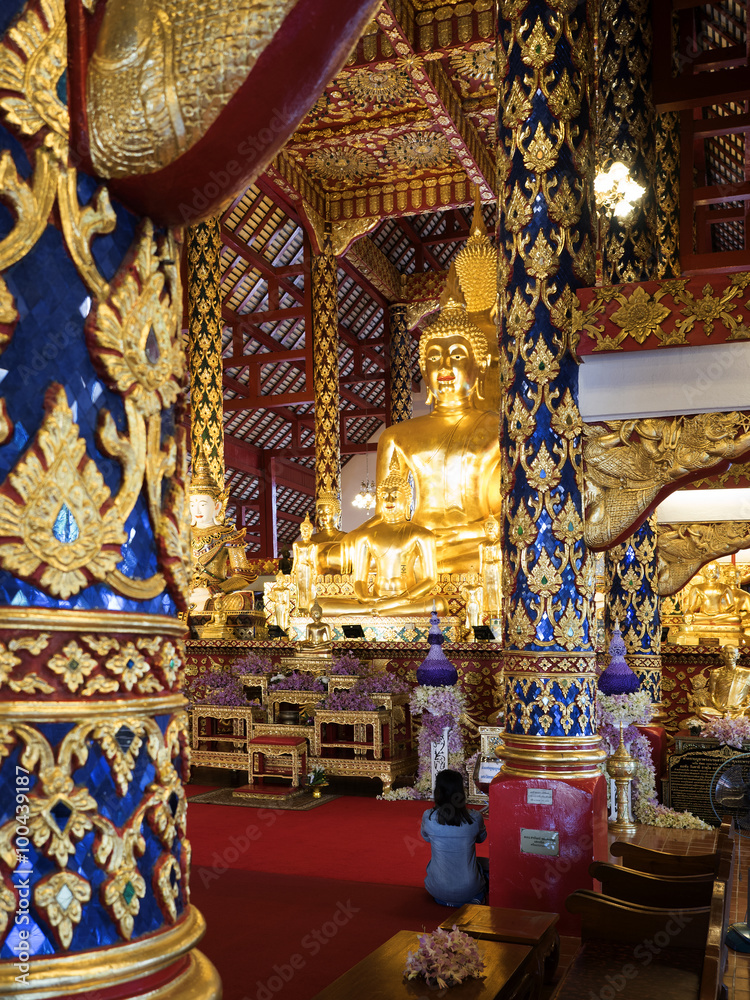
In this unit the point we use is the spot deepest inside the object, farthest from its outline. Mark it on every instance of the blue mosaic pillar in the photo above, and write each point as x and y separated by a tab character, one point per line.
550	778
546	251
94	855
632	600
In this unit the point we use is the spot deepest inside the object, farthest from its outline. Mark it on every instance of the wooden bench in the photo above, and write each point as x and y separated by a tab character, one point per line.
662	863
533	928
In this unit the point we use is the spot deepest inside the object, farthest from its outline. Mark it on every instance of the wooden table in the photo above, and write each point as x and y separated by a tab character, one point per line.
380	976
533	928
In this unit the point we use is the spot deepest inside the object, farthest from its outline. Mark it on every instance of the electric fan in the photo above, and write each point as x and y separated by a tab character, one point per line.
730	796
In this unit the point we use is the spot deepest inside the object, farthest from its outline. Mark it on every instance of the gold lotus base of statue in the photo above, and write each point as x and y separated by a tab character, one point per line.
695	631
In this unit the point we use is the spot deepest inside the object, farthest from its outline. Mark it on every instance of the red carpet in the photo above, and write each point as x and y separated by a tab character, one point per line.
280	937
356	839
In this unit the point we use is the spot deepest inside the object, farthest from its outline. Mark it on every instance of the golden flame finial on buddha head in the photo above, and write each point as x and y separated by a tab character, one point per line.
476	265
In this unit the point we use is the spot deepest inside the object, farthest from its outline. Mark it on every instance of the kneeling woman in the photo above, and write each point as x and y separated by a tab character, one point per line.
454	874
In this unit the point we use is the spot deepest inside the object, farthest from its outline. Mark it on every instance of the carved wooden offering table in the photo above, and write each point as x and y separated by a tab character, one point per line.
205	737
263	747
509	974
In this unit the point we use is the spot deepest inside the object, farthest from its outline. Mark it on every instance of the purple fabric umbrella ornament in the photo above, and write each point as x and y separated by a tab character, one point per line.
617	677
436	669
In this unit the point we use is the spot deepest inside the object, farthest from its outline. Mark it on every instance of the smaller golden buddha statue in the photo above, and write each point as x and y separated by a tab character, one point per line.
725	693
219	561
280	601
402	554
491	567
710	610
327	539
473	595
304	566
318	633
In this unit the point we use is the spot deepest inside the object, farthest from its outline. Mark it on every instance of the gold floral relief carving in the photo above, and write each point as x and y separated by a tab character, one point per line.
31	71
56	510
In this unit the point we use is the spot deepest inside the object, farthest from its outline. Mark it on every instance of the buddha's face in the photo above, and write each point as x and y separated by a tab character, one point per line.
451	371
326	517
204	510
392	503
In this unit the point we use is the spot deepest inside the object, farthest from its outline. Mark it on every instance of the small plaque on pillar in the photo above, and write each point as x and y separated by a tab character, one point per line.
539	796
540	842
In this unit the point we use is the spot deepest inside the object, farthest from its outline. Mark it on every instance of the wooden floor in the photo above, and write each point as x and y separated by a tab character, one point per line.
737	977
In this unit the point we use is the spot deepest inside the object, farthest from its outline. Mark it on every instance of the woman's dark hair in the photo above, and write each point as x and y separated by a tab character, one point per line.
450	799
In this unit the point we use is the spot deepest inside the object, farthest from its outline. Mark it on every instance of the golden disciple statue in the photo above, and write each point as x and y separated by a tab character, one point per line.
327	539
280	599
471	591
403	555
452	453
725	693
219	561
303	567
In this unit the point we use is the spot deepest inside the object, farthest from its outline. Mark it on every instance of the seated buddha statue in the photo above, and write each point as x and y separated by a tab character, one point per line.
219	561
453	452
327	539
402	554
710	610
318	633
725	694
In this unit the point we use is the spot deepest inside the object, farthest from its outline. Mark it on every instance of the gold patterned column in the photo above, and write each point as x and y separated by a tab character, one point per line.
326	373
667	189
626	118
204	344
400	340
632	601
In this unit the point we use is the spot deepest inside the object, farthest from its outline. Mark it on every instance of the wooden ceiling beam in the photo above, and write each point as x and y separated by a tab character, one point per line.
259	263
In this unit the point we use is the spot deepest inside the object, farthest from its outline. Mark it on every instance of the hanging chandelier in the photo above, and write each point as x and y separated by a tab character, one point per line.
616	191
365	499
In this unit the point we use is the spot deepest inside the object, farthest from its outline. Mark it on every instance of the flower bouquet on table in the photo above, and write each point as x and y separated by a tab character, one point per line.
445	958
347	665
298	680
254	664
354	700
220	687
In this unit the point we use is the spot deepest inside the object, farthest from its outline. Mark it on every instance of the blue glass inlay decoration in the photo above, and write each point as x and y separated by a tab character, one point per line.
65	528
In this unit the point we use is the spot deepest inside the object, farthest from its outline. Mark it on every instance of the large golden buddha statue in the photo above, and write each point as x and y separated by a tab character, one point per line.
219	561
453	452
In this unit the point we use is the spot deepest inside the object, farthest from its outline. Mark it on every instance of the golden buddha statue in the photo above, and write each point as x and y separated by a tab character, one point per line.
710	610
491	567
280	599
219	561
452	453
402	553
318	633
327	539
304	566
725	693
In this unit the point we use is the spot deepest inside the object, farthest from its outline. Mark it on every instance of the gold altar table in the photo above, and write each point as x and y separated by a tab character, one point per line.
242	721
262	747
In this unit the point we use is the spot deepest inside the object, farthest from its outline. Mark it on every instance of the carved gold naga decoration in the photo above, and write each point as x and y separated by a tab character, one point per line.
133	336
684	548
627	463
